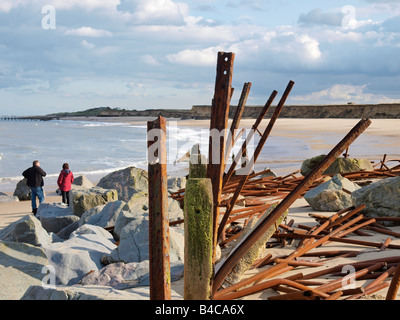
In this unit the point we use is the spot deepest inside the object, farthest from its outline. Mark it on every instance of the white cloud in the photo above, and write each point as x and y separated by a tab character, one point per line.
203	57
88	45
7	5
158	12
88	32
343	93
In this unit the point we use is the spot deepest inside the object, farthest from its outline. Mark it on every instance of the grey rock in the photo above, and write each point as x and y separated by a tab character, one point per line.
80	254
85	199
176	183
6	199
82	181
122	275
381	198
108	215
28	229
340	165
21	266
66	232
127	182
55	216
90	292
332	195
22	191
134	242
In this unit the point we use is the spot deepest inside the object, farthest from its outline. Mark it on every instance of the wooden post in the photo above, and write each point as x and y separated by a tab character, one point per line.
199	244
160	278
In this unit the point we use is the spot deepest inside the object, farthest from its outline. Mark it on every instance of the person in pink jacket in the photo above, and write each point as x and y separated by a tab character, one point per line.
64	181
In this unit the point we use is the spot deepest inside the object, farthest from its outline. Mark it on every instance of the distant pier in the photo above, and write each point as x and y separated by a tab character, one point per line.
28	118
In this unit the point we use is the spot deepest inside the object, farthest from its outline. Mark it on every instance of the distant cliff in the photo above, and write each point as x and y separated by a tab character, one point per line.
372	111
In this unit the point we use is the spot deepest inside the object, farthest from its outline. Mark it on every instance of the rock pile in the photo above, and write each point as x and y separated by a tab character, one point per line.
100	253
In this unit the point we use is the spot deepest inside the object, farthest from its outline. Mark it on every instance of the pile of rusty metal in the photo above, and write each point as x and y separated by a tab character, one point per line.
241	197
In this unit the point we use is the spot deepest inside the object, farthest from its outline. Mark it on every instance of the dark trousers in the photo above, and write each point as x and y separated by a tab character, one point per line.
65	197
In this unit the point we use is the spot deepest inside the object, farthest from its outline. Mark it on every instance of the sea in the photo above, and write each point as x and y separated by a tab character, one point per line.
97	148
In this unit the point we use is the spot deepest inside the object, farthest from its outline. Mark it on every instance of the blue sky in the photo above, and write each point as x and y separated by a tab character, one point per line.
137	54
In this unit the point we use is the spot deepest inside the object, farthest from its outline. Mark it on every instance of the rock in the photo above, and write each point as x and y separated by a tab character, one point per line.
269	173
340	165
82	181
107	216
134	241
28	229
176	183
127	182
87	214
90	292
123	276
65	233
333	195
55	216
6	199
21	266
80	254
381	198
22	191
86	199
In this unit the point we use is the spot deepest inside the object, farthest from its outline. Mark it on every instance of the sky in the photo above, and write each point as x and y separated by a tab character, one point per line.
58	55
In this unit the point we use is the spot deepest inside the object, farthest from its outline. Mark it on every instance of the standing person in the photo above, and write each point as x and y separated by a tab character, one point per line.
64	182
34	179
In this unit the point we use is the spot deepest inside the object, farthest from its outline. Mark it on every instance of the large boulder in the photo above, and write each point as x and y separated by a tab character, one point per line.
122	275
85	199
72	259
340	165
90	292
28	229
55	216
4	198
134	241
127	182
21	266
381	198
332	195
104	216
22	191
82	181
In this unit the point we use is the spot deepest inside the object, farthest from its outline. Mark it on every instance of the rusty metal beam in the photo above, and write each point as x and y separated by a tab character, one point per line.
257	152
236	119
239	155
160	279
269	221
218	123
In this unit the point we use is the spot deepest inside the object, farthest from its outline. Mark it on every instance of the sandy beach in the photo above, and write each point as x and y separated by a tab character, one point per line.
382	136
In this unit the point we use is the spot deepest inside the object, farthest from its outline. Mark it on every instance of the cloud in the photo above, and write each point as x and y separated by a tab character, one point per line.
344	93
155	12
88	32
203	57
317	17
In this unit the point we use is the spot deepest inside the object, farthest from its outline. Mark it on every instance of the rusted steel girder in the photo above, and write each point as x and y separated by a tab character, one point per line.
239	155
257	152
218	124
160	275
236	119
269	221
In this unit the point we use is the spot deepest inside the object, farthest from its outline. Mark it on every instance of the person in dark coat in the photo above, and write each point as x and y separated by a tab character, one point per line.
34	179
64	181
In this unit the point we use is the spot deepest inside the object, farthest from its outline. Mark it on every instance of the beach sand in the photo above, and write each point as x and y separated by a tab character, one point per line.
312	130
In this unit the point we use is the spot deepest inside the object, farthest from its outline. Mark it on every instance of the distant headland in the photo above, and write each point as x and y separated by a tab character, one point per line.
341	111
